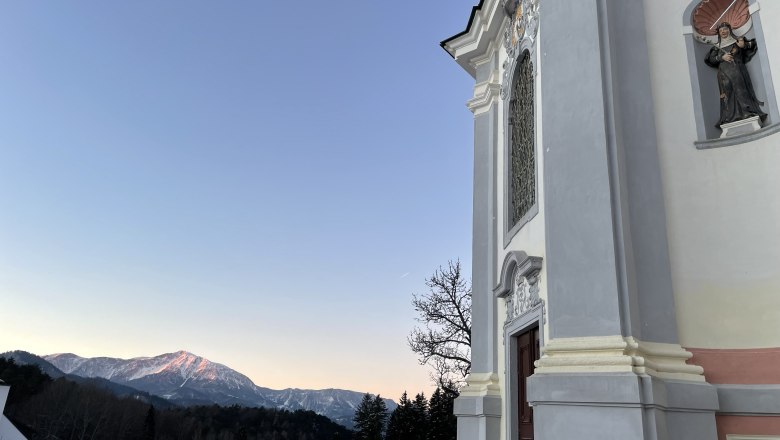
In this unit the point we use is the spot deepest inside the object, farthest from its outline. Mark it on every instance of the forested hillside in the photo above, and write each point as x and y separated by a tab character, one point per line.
44	408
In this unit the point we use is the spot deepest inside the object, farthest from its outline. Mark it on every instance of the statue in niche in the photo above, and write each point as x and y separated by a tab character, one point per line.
738	100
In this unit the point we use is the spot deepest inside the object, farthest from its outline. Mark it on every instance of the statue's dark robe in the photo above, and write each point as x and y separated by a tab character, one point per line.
737	98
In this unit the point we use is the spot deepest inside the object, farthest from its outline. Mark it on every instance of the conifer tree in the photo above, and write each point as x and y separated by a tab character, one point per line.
149	428
442	422
370	418
419	418
399	425
409	421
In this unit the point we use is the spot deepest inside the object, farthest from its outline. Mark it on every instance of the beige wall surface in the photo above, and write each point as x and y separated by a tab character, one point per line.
722	204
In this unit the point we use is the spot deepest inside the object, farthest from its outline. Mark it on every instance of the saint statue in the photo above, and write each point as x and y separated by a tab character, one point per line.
737	98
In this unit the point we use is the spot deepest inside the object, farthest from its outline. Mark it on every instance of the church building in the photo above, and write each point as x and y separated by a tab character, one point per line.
626	226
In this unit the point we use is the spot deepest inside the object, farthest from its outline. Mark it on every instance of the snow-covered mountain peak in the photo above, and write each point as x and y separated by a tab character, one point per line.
191	366
189	379
178	367
67	361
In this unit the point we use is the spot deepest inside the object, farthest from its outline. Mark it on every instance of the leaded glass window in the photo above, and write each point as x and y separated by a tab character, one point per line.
522	166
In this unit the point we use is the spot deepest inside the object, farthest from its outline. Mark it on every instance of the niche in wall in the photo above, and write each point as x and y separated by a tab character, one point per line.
700	22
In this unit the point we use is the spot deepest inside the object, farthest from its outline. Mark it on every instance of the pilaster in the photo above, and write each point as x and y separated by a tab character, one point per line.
478	408
613	367
479	405
484	104
607	257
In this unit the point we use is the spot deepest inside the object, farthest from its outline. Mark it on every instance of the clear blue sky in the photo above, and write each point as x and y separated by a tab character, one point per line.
262	183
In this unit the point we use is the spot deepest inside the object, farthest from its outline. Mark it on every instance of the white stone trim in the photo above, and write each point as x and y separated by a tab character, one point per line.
486	57
481	384
482	32
524	296
520	32
614	354
485	95
744	126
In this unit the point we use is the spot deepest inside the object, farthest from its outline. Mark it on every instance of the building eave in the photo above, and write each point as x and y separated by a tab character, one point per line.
474	10
485	23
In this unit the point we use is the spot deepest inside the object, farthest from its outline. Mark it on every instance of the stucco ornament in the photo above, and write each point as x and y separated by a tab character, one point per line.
520	33
709	14
524	297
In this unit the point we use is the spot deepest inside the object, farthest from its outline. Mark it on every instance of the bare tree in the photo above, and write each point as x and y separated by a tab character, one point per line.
443	341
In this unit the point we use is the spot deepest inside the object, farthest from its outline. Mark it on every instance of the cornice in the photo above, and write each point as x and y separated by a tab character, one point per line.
485	95
488	55
617	354
474	43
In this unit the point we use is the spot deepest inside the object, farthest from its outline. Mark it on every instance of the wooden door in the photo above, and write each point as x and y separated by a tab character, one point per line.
527	353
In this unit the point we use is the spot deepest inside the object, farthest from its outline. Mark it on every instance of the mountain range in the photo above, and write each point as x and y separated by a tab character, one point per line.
185	379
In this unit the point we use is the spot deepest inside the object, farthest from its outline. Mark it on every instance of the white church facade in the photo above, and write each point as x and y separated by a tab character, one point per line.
626	228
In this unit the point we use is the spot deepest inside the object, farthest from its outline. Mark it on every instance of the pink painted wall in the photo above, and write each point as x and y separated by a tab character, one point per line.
752	366
746	425
746	366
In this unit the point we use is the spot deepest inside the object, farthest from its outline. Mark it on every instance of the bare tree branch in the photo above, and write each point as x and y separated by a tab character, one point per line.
443	340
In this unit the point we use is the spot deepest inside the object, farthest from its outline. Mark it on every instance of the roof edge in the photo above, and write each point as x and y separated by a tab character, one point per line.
474	10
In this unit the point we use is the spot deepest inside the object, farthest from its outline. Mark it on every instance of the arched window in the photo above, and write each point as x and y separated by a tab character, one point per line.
700	28
521	175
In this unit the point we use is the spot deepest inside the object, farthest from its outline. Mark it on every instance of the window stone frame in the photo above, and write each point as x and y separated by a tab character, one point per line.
527	49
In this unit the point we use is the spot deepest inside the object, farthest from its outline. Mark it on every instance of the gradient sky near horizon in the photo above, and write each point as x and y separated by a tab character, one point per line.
264	184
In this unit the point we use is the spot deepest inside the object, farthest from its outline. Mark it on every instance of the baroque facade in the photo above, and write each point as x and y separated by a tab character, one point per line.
626	242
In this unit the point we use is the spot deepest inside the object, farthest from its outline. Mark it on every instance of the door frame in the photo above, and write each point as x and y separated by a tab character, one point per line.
525	322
